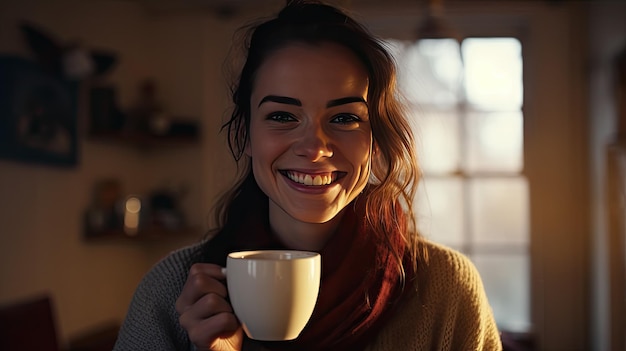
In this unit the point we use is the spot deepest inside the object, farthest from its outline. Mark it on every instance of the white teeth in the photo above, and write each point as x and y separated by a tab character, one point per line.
309	180
317	181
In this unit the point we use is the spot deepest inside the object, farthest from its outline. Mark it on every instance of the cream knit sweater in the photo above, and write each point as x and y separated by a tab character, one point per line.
448	311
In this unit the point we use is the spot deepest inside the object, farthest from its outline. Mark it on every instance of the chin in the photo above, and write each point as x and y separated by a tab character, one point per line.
314	217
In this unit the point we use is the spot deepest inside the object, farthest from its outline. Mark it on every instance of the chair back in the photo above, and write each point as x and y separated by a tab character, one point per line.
28	325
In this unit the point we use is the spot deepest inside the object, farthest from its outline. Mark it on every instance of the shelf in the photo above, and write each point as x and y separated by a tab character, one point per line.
144	140
146	235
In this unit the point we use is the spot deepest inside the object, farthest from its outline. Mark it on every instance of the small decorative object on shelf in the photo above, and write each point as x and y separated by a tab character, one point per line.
133	215
103	213
145	123
113	214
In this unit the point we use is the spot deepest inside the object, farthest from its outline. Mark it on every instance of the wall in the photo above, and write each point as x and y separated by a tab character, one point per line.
41	245
606	38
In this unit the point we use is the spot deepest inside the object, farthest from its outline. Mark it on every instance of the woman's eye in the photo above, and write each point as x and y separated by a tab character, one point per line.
345	118
281	116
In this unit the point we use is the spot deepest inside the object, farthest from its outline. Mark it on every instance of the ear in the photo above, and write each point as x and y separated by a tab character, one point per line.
375	150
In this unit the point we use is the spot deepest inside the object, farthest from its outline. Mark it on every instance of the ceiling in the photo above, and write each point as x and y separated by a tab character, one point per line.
226	7
229	7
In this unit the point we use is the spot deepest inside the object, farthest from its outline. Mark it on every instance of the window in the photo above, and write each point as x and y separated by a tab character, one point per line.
466	101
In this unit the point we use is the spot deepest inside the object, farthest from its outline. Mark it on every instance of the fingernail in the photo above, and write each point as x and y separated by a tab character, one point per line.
223	271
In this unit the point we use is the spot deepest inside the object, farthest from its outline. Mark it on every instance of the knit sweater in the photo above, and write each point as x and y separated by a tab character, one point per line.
447	309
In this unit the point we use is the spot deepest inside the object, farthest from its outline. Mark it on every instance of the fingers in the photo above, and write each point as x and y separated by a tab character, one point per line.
203	279
204	311
210	330
208	306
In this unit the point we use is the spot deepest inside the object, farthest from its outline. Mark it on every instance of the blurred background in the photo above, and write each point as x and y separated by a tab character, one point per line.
111	154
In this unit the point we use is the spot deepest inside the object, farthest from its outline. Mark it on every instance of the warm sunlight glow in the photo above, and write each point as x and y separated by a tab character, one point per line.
431	71
469	126
493	73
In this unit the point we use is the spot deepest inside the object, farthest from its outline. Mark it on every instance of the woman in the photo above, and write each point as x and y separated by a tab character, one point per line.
327	164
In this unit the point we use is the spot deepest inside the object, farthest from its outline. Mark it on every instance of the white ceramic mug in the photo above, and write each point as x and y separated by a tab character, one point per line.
273	292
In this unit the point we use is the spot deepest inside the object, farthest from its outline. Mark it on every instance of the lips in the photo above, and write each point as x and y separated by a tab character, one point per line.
318	179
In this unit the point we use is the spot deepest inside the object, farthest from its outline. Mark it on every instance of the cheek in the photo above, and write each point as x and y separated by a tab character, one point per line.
264	147
358	152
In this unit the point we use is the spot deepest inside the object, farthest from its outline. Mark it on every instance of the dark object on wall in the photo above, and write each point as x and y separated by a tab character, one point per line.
105	115
70	60
38	114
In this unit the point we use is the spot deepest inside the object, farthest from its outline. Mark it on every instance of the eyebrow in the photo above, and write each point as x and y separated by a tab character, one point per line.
281	100
292	101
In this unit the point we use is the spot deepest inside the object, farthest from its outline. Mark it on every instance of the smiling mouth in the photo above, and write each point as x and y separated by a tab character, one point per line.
313	179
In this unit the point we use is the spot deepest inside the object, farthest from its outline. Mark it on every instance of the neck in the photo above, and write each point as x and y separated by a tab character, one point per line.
298	235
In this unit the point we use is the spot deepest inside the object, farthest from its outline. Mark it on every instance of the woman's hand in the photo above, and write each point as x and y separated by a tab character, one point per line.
205	313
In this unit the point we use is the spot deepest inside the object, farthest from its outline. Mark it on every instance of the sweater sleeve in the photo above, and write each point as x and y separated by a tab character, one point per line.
151	322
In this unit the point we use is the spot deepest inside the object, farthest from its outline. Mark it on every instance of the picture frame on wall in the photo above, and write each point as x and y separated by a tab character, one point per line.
38	115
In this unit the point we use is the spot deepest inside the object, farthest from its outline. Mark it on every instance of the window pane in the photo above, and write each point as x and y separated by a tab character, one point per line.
430	71
506	280
437	139
439	210
469	128
494	142
493	73
499	210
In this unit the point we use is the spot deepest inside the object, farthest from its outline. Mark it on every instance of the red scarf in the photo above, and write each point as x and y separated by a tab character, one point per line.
360	283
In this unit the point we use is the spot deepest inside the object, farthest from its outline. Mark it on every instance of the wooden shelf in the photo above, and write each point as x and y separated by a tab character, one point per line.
144	140
146	234
184	134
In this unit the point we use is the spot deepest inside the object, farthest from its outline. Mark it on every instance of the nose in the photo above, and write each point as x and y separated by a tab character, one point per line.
314	144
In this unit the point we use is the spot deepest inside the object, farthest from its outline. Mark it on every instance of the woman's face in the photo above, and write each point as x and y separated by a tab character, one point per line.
310	134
